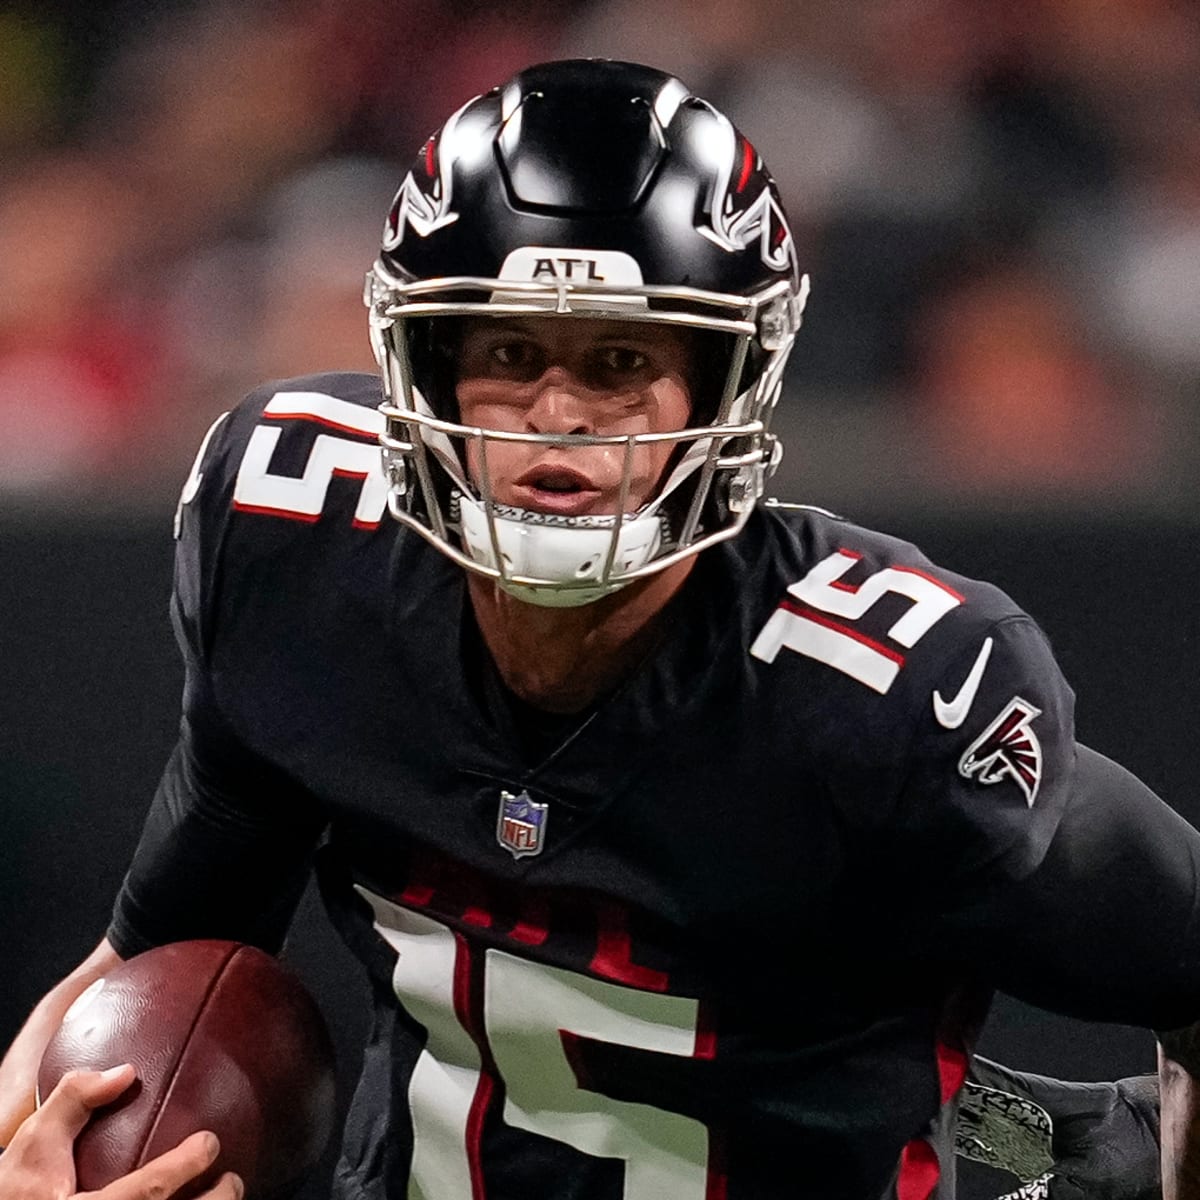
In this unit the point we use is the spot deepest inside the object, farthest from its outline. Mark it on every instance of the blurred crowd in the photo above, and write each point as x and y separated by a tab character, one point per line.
999	206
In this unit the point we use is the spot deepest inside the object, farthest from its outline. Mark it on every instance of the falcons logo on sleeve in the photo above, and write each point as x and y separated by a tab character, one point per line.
1007	749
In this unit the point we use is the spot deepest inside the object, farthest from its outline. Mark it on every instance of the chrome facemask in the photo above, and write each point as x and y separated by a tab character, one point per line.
563	561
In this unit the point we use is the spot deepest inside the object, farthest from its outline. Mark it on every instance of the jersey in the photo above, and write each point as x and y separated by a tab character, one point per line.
727	934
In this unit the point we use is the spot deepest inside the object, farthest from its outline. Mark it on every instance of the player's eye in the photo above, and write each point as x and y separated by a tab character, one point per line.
511	354
623	360
518	359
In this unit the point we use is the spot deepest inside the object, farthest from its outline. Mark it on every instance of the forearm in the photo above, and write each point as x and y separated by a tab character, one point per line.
1179	1087
18	1071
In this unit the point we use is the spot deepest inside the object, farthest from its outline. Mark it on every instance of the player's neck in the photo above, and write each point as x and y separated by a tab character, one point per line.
563	659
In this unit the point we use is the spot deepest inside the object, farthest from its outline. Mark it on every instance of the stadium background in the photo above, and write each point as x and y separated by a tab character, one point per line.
999	206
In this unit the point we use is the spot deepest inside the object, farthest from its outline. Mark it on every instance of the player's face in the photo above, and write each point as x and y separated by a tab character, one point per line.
572	376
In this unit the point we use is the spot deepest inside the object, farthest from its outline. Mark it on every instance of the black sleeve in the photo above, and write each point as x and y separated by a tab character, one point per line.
1107	927
226	846
984	790
224	853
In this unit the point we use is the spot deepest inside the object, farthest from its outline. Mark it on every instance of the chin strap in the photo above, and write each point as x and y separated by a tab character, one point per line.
571	552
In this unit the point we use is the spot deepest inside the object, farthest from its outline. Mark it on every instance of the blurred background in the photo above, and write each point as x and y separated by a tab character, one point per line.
999	206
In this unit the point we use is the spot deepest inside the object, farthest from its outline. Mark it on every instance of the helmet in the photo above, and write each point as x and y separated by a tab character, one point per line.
591	189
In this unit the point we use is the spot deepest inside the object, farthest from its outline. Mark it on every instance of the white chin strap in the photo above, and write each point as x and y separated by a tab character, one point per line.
568	552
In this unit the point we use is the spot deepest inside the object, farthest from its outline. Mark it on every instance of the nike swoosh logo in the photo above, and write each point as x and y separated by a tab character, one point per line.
952	713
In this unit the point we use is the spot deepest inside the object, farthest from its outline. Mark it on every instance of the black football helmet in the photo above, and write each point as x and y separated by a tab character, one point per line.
584	189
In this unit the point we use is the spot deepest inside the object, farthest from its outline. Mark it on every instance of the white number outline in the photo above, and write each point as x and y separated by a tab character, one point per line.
257	490
798	627
665	1153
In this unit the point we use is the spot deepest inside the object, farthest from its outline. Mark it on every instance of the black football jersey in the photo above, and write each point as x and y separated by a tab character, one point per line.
728	934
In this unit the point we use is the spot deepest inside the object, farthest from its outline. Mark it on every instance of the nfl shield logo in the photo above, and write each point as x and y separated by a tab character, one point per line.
522	824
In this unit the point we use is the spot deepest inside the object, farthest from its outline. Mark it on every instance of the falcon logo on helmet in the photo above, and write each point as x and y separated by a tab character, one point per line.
425	207
584	188
1007	749
739	217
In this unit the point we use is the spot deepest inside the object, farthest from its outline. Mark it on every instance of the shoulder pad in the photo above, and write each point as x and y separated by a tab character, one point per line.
277	453
293	454
869	605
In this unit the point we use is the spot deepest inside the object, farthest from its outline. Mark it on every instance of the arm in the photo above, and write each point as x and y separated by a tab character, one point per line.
227	842
38	1164
206	866
18	1071
1179	1086
1106	928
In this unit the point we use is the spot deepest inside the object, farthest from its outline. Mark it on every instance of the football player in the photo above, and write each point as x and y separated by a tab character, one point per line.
683	839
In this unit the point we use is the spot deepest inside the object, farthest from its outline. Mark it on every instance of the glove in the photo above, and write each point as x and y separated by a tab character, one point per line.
1066	1141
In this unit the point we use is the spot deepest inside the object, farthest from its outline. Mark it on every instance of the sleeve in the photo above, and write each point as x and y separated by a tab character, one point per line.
990	762
226	846
1107	928
1049	872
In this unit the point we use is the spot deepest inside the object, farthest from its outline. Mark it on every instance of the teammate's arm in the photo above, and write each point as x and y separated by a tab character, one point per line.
39	1162
18	1071
1179	1087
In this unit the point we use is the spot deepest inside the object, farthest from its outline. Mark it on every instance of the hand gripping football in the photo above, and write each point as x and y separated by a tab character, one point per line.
223	1037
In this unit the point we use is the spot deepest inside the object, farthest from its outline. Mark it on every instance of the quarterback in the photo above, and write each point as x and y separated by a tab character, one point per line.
683	838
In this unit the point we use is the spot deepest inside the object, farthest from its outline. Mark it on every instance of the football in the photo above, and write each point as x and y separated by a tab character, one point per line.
224	1037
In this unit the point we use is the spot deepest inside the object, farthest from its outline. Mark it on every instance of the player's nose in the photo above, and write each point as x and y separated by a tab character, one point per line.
560	405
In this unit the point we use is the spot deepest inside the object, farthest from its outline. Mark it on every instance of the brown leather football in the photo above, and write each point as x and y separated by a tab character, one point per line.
223	1037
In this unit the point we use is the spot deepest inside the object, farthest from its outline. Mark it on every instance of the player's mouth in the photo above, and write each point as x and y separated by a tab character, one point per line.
553	488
